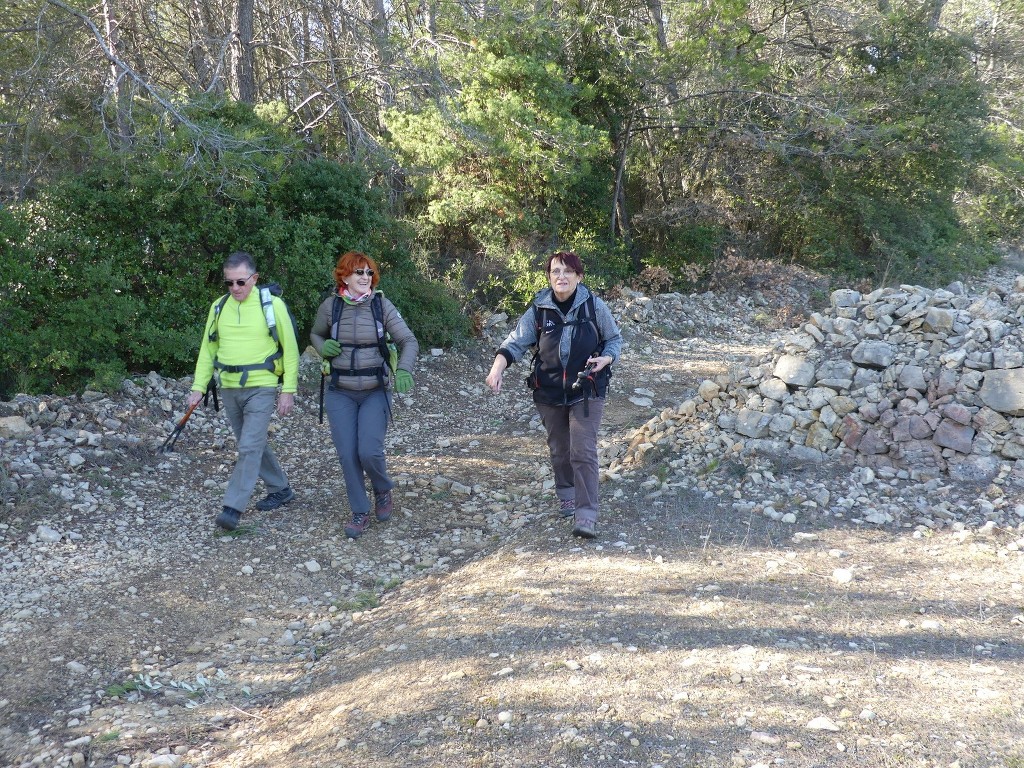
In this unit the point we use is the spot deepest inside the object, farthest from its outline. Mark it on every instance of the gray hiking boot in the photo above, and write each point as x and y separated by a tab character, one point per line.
585	528
228	518
567	507
275	500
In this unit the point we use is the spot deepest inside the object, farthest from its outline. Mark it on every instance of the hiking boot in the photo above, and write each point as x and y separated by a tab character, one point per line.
228	518
275	500
360	521
383	505
567	507
585	528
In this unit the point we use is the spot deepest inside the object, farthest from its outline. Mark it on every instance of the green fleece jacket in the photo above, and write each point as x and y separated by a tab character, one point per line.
243	339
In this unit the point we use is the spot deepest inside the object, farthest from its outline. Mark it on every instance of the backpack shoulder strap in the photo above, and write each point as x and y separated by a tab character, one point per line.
592	307
377	306
538	317
336	306
267	302
212	332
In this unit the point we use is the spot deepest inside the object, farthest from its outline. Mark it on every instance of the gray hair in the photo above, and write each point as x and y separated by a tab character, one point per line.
240	259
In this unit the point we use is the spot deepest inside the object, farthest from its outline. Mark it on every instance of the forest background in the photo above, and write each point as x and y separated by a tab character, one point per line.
668	142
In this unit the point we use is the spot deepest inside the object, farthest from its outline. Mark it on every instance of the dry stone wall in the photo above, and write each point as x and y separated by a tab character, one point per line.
918	381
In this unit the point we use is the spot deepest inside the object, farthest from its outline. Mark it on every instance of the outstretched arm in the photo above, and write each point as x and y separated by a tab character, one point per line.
494	378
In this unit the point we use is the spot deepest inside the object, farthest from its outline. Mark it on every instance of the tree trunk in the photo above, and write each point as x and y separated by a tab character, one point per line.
208	75
243	83
116	96
620	225
935	13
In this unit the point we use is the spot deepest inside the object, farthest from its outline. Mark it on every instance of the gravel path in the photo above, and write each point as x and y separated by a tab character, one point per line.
699	629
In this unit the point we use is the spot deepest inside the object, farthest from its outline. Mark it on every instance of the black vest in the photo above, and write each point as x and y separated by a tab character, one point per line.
551	383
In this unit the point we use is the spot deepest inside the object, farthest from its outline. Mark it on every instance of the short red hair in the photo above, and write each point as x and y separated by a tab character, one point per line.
350	262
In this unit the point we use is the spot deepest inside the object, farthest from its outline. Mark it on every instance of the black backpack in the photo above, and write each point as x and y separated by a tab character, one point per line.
387	348
587	383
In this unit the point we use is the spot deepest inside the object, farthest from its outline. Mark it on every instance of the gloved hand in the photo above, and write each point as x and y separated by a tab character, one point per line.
331	348
403	381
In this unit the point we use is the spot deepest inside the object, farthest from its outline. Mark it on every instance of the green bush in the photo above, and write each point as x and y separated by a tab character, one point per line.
113	271
512	284
431	309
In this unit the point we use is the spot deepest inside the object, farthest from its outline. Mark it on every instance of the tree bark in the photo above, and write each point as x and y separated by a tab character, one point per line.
620	215
208	73
116	95
243	82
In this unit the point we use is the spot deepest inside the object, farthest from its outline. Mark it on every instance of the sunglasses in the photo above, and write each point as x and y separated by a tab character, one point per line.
239	283
361	272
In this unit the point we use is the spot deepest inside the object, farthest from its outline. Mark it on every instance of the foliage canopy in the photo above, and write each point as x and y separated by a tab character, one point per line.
460	143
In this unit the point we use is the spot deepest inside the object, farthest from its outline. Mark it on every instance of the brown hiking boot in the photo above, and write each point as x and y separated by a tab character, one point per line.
360	521
383	505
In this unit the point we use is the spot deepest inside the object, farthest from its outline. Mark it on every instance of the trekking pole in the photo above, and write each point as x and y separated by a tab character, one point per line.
172	438
325	368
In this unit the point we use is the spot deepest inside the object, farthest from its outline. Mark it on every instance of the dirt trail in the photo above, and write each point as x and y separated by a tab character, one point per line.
474	630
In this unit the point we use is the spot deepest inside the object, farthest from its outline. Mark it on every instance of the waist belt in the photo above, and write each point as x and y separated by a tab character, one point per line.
266	365
380	372
336	372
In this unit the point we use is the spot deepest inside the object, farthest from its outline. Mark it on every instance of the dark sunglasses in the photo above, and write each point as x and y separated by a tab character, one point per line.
239	283
360	272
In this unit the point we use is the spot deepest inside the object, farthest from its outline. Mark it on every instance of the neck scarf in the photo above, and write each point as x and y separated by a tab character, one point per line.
348	297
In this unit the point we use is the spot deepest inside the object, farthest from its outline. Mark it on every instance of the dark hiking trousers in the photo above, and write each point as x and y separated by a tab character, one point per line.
572	441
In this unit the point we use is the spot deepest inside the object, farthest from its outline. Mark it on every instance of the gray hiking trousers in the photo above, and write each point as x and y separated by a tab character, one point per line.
359	422
249	410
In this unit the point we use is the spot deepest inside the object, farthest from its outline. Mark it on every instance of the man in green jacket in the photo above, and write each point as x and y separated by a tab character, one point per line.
250	365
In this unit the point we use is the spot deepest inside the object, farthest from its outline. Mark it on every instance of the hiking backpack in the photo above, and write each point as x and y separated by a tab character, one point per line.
387	348
266	294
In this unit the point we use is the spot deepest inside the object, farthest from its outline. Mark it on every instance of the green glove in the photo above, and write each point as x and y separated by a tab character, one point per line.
331	348
403	381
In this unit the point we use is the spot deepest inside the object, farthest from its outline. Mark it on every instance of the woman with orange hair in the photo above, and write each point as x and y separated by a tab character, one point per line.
349	330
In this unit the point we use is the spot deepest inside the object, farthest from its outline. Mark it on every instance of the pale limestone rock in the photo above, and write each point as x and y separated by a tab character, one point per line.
938	320
795	370
952	434
874	354
844	297
752	423
14	428
1003	391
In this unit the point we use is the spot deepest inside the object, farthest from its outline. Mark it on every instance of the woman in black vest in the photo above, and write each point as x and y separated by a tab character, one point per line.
576	341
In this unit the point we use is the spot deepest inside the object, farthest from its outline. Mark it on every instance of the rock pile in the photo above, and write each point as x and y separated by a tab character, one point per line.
673	315
923	382
66	444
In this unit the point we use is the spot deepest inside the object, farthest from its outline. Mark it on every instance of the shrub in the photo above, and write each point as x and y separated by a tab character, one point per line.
430	308
113	271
